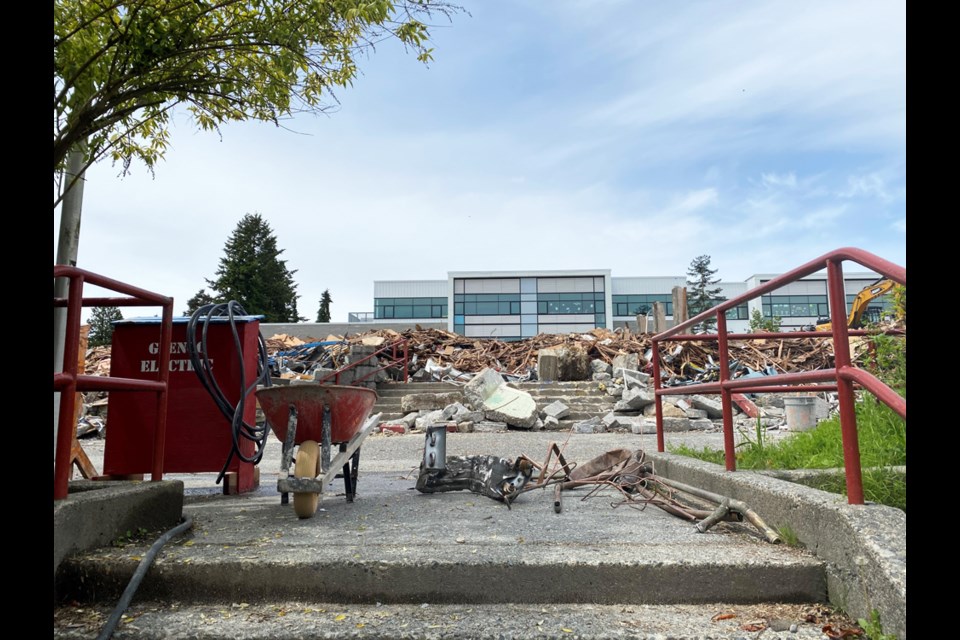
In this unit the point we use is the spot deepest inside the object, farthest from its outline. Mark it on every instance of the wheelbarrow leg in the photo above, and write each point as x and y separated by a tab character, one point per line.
350	470
286	456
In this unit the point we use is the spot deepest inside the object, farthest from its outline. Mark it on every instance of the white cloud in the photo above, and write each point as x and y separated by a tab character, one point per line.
780	180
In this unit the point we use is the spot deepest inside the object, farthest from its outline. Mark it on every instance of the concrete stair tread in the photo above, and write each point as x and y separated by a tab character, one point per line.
295	620
374	550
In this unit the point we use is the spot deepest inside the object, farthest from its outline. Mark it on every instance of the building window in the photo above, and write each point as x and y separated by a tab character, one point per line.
738	313
633	305
409	308
795	306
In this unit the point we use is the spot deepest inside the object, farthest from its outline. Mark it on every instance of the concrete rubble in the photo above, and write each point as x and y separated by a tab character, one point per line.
488	392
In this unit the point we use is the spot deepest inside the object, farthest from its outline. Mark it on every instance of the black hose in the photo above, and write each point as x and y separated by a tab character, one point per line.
137	578
203	368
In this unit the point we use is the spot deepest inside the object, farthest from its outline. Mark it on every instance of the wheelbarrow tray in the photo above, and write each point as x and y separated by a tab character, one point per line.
349	408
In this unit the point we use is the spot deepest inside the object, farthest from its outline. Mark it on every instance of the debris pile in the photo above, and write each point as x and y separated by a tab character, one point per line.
441	355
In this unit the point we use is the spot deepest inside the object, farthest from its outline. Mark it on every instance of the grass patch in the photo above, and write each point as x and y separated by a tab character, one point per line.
882	439
789	536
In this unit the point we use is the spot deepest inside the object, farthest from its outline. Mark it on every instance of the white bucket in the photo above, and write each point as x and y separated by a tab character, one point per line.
800	411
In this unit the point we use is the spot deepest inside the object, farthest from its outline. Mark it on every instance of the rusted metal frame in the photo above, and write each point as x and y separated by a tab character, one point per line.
814	388
884	267
160	429
726	402
110	302
770	534
318	485
873	384
721	512
841	357
657	391
88	277
102	383
69	382
66	428
843	373
393	360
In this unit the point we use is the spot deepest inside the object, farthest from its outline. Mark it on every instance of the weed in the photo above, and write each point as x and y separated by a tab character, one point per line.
789	536
129	537
873	628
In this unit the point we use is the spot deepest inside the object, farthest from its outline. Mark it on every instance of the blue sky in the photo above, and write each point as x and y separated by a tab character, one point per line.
590	134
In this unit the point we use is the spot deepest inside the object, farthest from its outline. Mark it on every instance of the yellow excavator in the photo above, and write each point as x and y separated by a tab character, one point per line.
859	306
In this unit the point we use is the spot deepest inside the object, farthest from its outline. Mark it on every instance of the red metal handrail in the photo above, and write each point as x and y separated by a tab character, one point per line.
843	375
69	382
399	352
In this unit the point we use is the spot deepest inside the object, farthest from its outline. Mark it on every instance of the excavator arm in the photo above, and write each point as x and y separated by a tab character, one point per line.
861	303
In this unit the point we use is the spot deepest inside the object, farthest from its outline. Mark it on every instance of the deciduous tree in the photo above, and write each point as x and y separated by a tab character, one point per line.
121	66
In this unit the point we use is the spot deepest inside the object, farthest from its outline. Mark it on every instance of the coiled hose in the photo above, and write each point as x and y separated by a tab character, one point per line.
202	366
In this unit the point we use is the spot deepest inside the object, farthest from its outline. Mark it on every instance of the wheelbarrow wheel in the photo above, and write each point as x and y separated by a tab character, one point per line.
307	466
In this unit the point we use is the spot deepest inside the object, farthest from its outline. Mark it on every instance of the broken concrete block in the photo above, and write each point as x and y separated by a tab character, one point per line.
632	378
465	427
471	416
556	409
626	361
410	419
613	421
701	424
454	410
428	401
489	426
489	393
601	377
572	363
537	426
676	424
615	390
637	398
695	414
644	426
551	423
428	419
713	407
593	425
599	366
548	365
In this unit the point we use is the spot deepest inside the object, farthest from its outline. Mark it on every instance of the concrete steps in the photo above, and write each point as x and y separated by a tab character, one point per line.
400	564
585	399
399	547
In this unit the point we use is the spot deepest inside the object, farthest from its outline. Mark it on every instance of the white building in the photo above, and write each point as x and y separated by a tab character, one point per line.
511	305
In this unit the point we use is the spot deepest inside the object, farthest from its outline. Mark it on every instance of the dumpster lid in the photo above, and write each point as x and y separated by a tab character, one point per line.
185	319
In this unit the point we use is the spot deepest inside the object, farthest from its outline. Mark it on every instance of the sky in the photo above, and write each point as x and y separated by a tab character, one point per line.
547	134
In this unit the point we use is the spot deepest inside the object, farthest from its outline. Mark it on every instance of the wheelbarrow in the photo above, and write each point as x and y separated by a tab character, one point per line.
313	418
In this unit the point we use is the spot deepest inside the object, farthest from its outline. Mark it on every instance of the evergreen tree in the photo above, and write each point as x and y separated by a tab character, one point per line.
101	325
323	315
701	294
252	273
199	299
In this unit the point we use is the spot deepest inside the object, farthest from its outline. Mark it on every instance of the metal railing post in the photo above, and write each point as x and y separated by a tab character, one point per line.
160	434
66	427
726	399
656	390
841	356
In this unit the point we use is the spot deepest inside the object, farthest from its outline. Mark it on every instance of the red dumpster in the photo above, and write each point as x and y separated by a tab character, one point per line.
199	438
